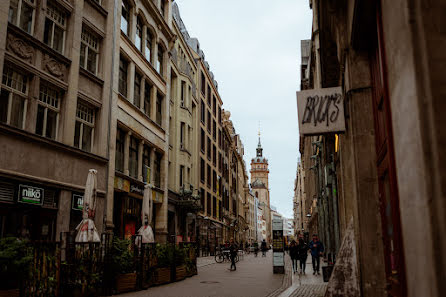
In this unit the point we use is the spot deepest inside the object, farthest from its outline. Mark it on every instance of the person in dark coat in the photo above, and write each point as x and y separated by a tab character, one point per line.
264	248
233	253
294	255
302	251
317	249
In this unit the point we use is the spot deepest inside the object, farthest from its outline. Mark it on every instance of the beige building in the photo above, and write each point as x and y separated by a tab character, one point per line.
383	177
139	128
55	61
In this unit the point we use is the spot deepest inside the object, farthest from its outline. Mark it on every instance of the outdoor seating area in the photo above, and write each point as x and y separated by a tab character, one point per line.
76	269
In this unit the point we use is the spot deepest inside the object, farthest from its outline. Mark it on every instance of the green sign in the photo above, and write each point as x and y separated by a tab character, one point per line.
31	195
78	202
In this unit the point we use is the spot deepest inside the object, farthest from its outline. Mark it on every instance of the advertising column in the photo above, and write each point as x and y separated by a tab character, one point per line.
278	248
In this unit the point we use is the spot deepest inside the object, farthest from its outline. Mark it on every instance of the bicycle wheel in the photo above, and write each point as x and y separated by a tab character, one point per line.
219	258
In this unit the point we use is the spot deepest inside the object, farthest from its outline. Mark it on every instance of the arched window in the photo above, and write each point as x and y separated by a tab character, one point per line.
138	35
125	17
160	60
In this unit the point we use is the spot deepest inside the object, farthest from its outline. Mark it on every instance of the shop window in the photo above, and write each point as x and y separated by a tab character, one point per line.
123	73
21	14
147	105
120	146
13	97
48	111
133	157
55	27
149	45
89	51
138	35
159	108
137	90
160	60
146	163
84	130
125	17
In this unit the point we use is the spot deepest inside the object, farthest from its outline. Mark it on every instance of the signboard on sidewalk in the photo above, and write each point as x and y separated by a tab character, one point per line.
321	111
278	248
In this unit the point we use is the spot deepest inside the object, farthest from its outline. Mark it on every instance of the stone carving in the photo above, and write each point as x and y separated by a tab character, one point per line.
53	67
20	48
344	280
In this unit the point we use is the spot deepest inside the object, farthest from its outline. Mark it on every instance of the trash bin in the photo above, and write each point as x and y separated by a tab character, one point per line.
326	272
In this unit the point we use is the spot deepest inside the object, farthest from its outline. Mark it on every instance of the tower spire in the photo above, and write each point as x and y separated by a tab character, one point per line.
259	145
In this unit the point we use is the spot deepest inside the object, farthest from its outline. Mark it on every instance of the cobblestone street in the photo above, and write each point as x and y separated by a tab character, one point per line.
253	278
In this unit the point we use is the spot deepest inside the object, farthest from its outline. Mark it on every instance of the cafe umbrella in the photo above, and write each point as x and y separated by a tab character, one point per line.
86	230
146	231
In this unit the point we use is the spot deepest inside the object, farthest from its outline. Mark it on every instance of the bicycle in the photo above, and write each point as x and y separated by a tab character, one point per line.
223	256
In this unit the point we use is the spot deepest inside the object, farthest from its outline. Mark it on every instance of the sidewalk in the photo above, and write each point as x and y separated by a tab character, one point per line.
205	261
307	285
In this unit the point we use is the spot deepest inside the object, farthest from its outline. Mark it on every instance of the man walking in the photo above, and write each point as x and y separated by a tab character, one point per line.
233	254
317	248
263	247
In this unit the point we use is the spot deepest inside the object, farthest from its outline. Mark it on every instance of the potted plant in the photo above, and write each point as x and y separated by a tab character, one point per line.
122	265
16	257
164	261
180	263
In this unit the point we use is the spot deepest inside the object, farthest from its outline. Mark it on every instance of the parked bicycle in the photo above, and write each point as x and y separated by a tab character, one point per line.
224	255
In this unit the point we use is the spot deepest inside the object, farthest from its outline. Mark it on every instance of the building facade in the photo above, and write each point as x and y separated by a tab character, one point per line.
370	181
55	61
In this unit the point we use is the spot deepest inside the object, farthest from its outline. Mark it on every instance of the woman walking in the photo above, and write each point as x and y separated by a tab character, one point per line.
294	255
302	250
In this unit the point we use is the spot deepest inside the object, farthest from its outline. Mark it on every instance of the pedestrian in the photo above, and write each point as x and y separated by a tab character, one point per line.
317	248
256	248
232	254
293	251
302	251
264	248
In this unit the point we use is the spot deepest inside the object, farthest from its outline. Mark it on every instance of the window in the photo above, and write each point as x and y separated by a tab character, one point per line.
214	207
214	155
146	163
21	14
137	90
181	176
13	98
123	72
182	128
55	27
219	138
133	157
149	45
89	51
125	17
208	207
163	7
48	111
203	141
202	197
203	84
157	165
209	148
183	93
202	170
208	95
203	112
214	181
83	134
147	105
209	176
209	123
214	106
214	129
119	157
219	162
138	36
159	107
159	61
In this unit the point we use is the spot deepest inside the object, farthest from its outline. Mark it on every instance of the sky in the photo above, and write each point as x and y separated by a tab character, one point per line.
253	49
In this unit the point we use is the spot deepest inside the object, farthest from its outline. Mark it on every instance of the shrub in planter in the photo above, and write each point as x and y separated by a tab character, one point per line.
122	265
16	257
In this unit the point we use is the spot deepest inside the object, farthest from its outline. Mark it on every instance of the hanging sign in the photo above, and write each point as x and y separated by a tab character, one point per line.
321	111
77	202
31	195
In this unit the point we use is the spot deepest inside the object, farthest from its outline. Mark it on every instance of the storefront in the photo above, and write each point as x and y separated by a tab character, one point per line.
28	210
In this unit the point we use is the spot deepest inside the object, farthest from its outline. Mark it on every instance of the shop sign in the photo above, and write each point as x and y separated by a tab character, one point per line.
122	184
321	111
137	189
78	202
31	195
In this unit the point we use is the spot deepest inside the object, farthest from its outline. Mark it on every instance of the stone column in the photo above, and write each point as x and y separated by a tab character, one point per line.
140	153
126	153
63	213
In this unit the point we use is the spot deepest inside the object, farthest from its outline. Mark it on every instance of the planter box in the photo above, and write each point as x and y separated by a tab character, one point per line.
181	272
162	276
126	282
10	293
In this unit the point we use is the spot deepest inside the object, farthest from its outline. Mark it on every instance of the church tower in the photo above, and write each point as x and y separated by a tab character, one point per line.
260	185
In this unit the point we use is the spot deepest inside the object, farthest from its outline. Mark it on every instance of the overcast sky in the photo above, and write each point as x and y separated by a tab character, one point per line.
253	49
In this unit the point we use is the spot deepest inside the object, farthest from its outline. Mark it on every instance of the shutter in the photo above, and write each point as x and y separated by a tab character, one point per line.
6	191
